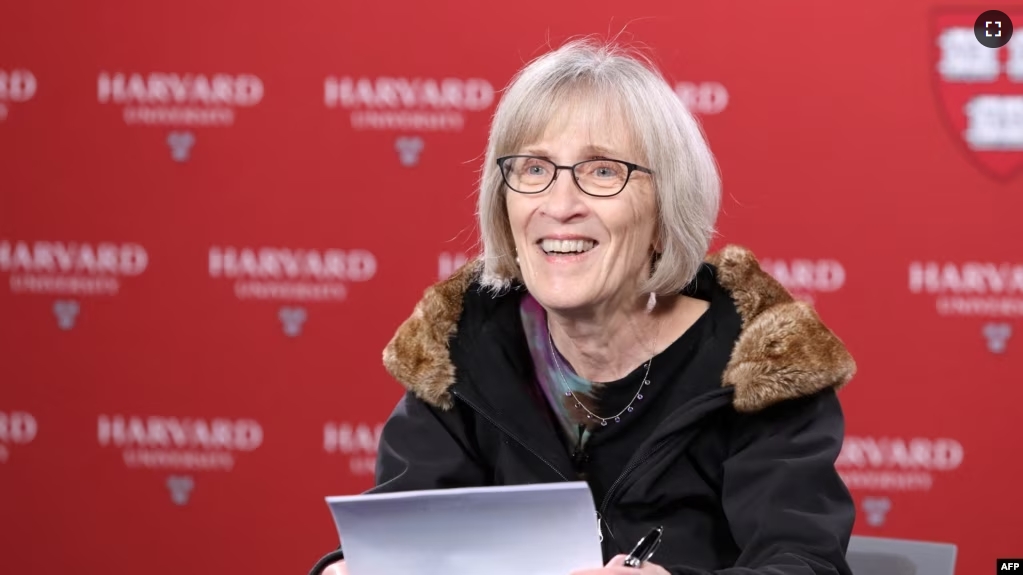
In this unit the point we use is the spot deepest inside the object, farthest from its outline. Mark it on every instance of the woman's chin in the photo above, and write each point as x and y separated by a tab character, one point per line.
564	298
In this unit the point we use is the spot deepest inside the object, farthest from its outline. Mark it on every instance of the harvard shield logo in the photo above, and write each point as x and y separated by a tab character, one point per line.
980	90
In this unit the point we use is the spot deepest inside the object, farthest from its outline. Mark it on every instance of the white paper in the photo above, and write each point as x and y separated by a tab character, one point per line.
540	529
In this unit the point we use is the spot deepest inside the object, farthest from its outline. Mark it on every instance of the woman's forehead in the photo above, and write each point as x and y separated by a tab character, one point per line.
583	123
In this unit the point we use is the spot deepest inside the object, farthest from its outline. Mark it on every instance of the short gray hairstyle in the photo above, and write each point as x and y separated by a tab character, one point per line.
668	137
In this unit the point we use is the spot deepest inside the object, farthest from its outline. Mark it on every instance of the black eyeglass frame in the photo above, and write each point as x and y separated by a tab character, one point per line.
628	175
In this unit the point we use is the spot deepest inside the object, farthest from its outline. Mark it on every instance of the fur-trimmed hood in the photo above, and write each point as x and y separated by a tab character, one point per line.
784	350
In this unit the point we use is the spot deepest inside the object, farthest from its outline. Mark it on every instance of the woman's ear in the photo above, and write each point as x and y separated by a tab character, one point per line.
655	258
657	244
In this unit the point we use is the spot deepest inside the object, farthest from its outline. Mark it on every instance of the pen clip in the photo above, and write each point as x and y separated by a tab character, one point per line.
645	548
650	553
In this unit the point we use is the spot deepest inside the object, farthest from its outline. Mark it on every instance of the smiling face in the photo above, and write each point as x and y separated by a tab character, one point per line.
577	251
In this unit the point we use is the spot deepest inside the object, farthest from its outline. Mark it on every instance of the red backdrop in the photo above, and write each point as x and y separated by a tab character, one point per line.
214	215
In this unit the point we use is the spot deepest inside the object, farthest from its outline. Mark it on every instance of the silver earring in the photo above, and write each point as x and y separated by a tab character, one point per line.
651	302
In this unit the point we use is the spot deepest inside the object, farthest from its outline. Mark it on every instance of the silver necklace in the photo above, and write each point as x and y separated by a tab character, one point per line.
589	414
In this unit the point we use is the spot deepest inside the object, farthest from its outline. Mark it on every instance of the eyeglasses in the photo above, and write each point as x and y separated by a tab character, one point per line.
532	175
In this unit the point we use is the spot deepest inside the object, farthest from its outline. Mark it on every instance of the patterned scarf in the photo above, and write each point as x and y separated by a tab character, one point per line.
553	384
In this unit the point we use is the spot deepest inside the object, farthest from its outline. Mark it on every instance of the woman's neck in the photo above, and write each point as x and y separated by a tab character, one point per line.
606	345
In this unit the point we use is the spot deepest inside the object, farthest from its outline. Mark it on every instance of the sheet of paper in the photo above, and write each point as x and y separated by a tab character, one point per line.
540	529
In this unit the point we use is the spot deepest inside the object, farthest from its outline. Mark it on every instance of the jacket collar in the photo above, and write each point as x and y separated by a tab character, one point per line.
784	351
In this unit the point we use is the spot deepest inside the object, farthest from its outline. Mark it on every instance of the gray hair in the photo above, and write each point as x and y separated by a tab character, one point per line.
668	137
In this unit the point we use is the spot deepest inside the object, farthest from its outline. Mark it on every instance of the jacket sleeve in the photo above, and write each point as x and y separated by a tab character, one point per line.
789	510
422	447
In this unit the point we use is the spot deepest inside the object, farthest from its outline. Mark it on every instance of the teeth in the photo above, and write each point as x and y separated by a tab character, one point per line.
567	246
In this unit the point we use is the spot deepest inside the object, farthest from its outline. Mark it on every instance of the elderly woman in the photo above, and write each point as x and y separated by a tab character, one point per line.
596	339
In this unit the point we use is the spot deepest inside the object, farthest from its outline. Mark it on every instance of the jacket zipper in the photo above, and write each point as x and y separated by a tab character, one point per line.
504	430
611	490
614	486
617	483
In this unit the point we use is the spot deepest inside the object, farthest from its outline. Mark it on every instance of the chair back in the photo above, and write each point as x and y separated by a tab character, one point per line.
881	556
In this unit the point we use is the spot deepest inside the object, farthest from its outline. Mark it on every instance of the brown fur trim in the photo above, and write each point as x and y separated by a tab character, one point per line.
417	356
783	352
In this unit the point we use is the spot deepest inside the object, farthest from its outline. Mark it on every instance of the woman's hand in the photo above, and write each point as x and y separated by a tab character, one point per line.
338	568
616	566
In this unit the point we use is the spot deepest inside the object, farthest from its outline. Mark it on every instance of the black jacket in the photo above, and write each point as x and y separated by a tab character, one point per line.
742	477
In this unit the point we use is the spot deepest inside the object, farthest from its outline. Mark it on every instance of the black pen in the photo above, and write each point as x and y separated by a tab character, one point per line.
645	549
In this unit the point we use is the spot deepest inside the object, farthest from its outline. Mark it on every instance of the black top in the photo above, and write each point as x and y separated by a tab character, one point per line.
608	450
